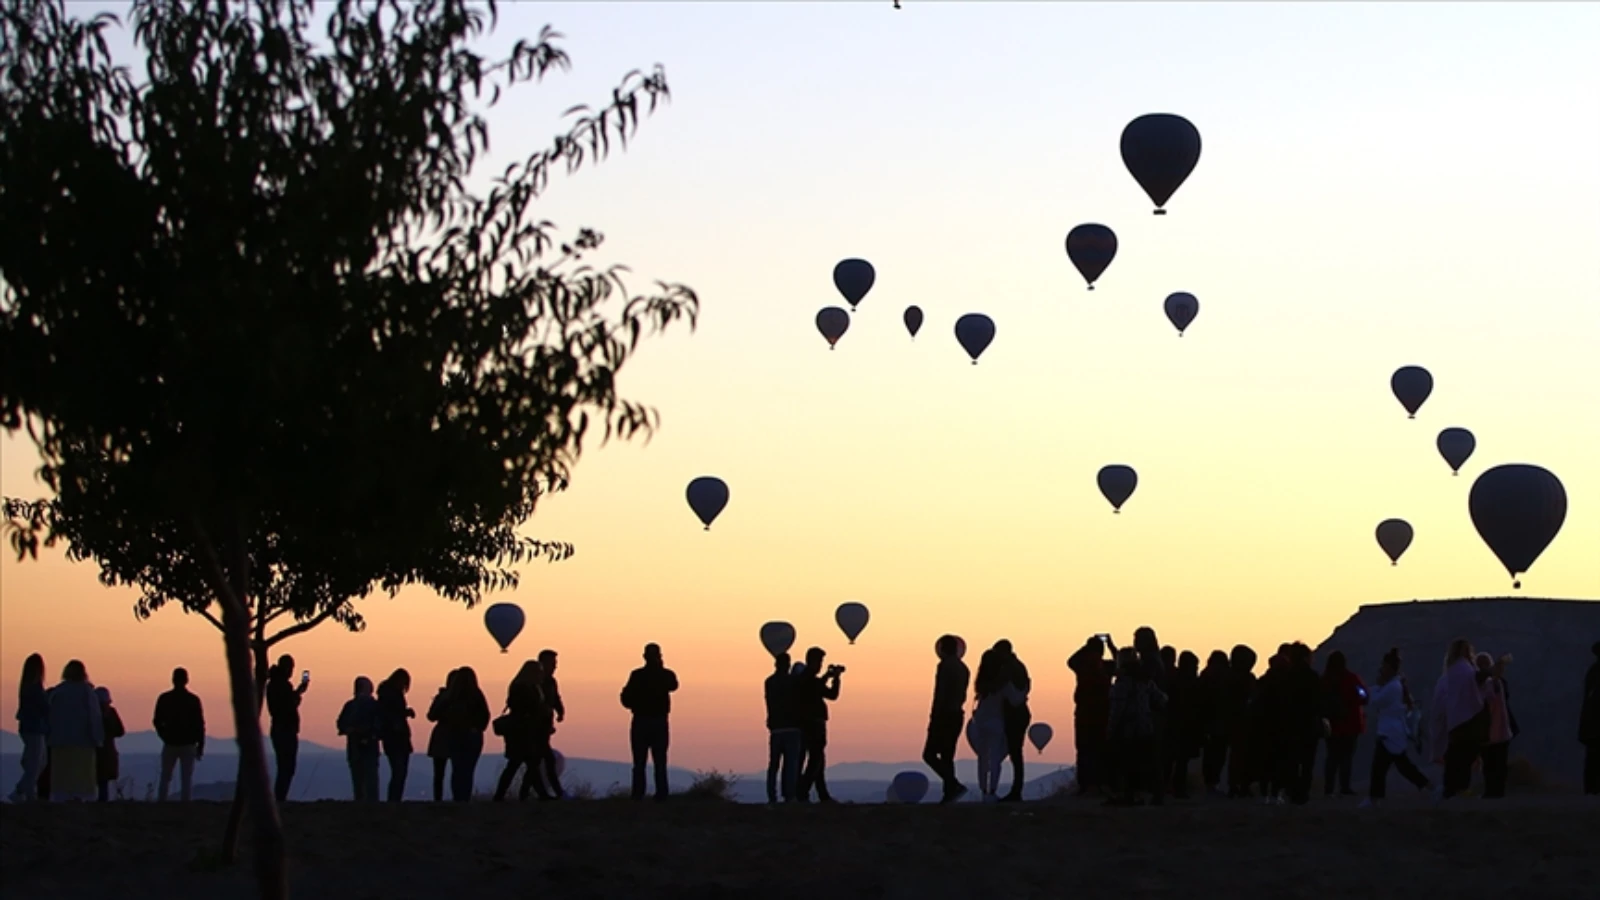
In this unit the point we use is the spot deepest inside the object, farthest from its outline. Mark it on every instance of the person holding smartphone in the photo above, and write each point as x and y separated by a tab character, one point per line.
283	706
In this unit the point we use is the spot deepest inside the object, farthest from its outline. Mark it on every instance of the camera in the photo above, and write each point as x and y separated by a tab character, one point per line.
834	671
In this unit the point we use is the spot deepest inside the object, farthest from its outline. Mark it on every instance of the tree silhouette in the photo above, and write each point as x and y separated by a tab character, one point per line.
272	351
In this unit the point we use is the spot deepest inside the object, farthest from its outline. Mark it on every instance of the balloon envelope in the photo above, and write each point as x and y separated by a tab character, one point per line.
777	637
1091	248
1394	536
909	787
1160	151
975	331
1181	309
1456	446
833	322
1518	510
504	621
852	618
853	278
707	497
913	319
1411	386
1117	484
1040	734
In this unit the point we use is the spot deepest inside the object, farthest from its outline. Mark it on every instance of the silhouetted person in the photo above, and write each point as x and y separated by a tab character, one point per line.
466	718
525	727
1346	699
1017	717
1135	700
1091	714
552	692
1589	724
784	740
108	763
1460	720
360	724
439	737
76	733
813	693
1496	753
1213	701
1159	672
394	717
1186	722
648	695
1244	763
950	682
180	722
1301	723
33	726
1390	707
283	706
1266	712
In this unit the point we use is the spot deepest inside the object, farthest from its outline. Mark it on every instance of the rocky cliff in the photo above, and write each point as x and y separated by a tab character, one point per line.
1550	640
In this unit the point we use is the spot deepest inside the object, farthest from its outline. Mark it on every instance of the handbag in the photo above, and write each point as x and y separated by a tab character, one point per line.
501	725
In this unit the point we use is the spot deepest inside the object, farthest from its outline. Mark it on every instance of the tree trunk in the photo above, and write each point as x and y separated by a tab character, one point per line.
230	835
253	784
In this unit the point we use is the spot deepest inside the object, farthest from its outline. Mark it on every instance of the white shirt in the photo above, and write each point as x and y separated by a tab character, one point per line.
1388	707
992	708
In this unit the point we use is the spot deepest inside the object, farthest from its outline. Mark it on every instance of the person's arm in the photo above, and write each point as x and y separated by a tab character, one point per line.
555	701
830	688
672	681
200	719
158	719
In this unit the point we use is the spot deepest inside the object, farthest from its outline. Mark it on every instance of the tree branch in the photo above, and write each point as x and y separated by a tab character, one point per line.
302	627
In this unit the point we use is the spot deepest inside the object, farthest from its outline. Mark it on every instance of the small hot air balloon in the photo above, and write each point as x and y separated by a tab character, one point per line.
1181	309
974	331
1091	248
707	497
961	647
1518	510
1040	734
1456	446
1411	386
833	322
889	795
1394	536
504	621
1160	150
853	278
852	618
913	320
1117	484
777	637
909	787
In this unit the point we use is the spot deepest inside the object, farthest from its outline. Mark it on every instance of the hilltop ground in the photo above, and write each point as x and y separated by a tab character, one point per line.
1542	846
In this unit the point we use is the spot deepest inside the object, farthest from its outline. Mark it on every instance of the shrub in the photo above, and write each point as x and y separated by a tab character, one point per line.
712	785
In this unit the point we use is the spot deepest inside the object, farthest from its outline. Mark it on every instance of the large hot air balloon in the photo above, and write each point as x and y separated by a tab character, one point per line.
974	331
913	320
707	497
833	322
853	278
1394	536
1117	484
1456	446
1040	734
1181	309
1160	150
777	637
961	647
1411	386
909	787
1091	248
852	619
1518	511
504	621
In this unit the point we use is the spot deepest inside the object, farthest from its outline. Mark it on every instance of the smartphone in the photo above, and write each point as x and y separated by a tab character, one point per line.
1104	638
305	676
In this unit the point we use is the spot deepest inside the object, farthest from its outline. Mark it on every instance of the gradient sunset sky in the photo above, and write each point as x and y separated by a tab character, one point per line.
1381	185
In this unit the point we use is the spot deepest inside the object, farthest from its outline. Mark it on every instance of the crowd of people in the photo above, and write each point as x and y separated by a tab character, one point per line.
1143	715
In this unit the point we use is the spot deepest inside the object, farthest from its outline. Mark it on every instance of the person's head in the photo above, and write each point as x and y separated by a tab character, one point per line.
1003	647
285	667
989	673
74	670
1336	666
180	677
1144	640
104	694
1217	660
1095	645
1485	662
947	647
1242	660
466	679
1169	657
531	673
400	680
1188	663
451	678
814	658
363	686
1390	667
781	662
1300	655
1128	662
652	654
33	669
547	659
1460	649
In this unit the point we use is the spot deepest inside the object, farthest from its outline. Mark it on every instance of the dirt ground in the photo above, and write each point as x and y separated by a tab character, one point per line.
1543	847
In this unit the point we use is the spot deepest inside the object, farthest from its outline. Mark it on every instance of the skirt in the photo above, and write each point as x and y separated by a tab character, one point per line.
72	771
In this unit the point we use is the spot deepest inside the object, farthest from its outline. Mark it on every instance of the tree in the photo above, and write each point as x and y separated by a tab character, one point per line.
272	351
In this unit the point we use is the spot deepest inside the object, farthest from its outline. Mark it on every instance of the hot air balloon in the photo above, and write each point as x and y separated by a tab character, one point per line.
853	278
777	637
504	621
1040	734
852	618
1160	150
1394	536
833	322
909	787
707	497
1456	446
974	331
1091	248
1117	484
1518	511
1181	309
913	319
889	795
961	647
1411	386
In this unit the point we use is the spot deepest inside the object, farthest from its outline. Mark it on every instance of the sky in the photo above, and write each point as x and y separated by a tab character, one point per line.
1380	185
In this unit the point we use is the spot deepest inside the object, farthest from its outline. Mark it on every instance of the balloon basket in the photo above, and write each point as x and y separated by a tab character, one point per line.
708	528
1158	212
1091	287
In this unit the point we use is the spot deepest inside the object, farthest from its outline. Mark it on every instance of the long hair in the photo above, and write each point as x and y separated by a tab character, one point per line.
32	673
1460	649
399	679
529	678
991	674
1336	666
74	671
466	680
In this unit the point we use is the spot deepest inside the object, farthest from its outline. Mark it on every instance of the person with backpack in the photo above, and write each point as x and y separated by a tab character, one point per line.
359	724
